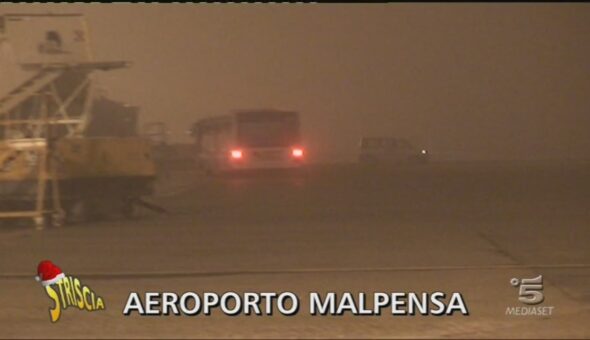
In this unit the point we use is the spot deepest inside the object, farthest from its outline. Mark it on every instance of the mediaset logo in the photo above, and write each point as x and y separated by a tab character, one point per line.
66	291
530	292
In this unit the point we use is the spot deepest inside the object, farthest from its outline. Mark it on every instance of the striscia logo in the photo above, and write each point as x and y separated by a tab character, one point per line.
66	291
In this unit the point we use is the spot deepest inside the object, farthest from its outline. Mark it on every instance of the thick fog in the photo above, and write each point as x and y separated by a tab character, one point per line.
475	81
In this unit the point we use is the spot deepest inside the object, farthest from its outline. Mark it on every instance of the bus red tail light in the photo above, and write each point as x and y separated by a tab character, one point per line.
297	152
236	154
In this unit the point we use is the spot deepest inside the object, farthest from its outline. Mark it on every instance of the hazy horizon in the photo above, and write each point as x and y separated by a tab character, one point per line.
466	81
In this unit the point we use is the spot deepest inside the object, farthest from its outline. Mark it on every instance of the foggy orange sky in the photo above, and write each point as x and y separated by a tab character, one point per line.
474	81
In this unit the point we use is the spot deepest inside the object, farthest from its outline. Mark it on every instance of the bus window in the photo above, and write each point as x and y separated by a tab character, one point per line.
268	130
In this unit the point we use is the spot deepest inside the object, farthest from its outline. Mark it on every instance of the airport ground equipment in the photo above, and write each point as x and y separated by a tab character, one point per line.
64	150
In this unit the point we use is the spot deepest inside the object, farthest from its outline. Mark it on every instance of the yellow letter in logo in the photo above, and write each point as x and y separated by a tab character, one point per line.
79	296
54	312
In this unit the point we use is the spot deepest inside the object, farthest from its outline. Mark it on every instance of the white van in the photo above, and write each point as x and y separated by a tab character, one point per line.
390	150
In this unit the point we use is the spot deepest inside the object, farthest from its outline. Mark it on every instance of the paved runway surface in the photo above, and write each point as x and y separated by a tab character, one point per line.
467	227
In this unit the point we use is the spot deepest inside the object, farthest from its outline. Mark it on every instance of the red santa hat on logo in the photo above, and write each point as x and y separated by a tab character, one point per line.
48	273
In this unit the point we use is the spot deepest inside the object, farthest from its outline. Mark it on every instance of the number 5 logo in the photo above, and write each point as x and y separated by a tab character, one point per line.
530	290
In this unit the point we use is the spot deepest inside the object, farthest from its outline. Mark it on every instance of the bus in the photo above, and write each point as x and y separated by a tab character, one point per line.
249	140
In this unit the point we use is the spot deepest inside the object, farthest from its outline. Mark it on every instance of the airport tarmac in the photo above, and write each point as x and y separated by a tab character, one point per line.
468	227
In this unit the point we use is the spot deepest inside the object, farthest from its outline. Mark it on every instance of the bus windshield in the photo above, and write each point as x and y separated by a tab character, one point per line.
268	129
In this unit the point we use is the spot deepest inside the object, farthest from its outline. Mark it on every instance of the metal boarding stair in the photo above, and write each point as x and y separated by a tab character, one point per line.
41	82
55	102
55	114
27	89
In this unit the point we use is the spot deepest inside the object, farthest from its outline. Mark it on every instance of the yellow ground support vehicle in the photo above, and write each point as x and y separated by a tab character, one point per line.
64	151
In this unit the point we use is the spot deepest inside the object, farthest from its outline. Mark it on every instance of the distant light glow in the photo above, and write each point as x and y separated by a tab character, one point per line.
297	152
236	154
424	152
